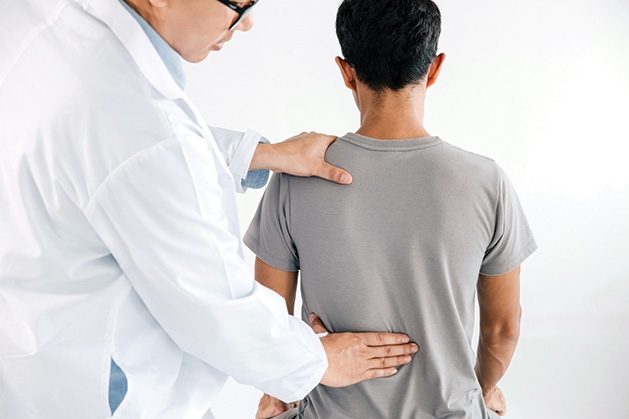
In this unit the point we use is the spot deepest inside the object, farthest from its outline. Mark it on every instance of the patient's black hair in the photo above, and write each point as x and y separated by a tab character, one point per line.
390	43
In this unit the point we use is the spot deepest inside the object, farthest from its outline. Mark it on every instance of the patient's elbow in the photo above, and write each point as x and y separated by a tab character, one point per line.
501	331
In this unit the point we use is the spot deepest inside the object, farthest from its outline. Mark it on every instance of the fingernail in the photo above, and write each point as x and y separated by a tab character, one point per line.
414	348
312	317
393	371
405	339
346	178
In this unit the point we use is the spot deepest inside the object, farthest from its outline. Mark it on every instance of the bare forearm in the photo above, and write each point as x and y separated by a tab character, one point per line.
493	358
500	314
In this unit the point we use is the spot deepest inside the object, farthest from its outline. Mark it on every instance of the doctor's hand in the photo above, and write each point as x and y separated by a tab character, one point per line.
354	357
301	155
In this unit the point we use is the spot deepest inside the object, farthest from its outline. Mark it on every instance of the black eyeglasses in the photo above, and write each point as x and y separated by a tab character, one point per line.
242	11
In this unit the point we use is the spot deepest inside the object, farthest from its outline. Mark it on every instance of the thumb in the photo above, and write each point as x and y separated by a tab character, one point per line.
316	324
334	174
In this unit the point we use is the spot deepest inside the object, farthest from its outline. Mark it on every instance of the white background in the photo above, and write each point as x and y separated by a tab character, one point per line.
542	87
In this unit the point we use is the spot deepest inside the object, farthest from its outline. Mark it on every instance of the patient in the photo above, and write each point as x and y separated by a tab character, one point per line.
424	231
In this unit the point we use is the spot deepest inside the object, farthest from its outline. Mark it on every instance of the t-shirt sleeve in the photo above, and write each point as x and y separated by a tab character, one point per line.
268	235
513	240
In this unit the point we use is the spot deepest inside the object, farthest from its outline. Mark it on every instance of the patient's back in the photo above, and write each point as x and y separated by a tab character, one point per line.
398	250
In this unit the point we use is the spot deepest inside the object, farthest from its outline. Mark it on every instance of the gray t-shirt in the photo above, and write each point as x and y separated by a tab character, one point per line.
399	250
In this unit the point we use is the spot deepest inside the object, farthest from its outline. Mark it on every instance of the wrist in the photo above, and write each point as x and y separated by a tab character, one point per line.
486	387
489	391
263	157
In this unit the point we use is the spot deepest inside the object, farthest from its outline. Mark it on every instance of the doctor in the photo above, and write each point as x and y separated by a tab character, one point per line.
123	288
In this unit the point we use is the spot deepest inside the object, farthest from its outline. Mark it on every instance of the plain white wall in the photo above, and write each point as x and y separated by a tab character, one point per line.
540	86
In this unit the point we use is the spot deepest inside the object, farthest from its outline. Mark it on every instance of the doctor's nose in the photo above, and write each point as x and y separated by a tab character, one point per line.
245	24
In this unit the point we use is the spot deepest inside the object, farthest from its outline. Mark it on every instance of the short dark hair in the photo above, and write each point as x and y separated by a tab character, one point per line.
390	43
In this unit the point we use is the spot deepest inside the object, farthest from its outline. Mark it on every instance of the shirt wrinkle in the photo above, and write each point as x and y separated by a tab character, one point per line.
119	167
35	33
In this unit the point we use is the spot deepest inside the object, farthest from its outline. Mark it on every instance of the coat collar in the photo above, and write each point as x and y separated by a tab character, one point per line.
133	37
169	56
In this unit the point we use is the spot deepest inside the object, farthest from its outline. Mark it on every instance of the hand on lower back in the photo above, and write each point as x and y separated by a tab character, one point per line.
354	357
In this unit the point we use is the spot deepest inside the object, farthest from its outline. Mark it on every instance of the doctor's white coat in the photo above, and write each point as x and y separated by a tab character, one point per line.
118	231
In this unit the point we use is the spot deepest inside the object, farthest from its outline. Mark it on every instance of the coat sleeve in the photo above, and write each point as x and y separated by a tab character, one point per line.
162	216
237	149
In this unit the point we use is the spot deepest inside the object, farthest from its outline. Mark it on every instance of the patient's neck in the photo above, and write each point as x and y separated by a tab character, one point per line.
390	115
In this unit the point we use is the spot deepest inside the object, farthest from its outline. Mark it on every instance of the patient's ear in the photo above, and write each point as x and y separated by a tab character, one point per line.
348	73
435	69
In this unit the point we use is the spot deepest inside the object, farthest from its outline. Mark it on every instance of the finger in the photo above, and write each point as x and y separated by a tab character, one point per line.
334	174
316	324
392	350
329	139
383	339
388	362
378	373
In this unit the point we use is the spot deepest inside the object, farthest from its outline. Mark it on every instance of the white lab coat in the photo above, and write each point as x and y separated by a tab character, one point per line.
119	235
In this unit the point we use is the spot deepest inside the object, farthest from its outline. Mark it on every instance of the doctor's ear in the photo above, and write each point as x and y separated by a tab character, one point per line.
159	3
348	73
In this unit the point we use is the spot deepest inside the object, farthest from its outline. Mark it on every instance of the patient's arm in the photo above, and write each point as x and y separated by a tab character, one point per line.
500	312
285	284
282	282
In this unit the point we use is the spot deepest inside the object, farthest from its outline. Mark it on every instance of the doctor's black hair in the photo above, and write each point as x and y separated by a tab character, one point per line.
390	43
